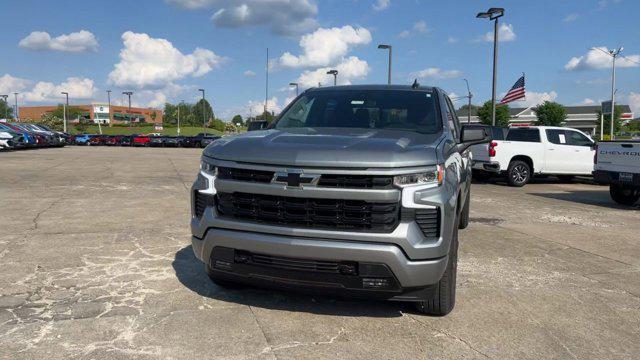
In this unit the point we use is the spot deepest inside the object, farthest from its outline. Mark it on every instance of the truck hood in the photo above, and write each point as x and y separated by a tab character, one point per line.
329	147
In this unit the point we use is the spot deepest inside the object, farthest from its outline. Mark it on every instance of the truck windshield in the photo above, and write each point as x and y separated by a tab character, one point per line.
369	109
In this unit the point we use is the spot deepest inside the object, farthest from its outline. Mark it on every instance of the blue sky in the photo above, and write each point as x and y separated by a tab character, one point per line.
166	50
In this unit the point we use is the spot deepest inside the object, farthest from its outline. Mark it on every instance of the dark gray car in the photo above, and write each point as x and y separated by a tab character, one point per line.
356	190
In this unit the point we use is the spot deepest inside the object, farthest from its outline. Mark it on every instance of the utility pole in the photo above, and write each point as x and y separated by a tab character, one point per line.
469	96
6	107
204	112
266	87
109	105
493	14
614	54
64	111
15	113
129	93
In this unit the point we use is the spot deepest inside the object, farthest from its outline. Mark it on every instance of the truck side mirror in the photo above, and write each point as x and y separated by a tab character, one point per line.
474	135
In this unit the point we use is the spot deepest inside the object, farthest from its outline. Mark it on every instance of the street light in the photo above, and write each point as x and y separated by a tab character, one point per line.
386	46
493	14
6	107
469	96
296	85
181	103
335	76
64	111
109	105
129	93
614	54
15	112
204	116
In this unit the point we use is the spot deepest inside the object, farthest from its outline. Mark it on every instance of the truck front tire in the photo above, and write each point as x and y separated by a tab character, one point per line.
624	195
444	297
519	173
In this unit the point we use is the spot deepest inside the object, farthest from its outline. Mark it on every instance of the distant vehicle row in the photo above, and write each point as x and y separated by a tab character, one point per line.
27	135
201	140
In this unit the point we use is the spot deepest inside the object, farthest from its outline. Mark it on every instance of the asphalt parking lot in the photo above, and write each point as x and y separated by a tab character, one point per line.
96	262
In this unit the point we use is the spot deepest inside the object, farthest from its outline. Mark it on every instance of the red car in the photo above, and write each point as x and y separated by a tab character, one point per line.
113	140
141	140
97	140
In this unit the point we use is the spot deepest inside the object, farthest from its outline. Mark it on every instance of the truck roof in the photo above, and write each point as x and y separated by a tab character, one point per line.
373	87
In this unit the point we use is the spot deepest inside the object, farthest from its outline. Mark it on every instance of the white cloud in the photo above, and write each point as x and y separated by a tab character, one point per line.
81	41
420	26
505	33
349	69
256	107
597	58
404	34
192	4
324	46
534	98
571	18
436	73
10	84
634	102
249	73
587	101
154	63
380	5
452	40
78	89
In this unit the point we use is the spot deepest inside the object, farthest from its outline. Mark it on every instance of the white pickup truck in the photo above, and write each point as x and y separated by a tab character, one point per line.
526	151
617	163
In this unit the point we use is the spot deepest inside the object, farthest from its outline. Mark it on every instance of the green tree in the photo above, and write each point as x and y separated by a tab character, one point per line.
208	111
218	125
72	112
550	114
52	121
502	114
237	120
617	123
6	111
266	116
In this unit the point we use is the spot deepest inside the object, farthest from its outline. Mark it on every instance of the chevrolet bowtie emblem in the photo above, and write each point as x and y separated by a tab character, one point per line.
295	178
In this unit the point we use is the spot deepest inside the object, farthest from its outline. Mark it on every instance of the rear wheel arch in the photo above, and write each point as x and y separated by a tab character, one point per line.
525	159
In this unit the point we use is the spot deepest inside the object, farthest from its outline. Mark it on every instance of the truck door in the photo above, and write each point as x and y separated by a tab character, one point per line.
583	151
558	155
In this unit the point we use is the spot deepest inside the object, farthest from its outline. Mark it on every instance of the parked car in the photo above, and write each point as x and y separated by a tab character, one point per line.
546	150
190	141
7	140
358	190
204	139
172	141
33	139
63	136
82	139
140	140
125	140
97	140
156	141
51	138
113	140
617	163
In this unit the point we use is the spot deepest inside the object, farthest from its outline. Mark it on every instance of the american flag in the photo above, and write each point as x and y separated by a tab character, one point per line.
516	92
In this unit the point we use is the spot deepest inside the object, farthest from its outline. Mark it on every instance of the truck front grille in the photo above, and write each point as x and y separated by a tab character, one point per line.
326	180
309	213
429	222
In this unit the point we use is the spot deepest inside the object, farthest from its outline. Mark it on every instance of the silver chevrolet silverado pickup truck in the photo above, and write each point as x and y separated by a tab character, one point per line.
352	190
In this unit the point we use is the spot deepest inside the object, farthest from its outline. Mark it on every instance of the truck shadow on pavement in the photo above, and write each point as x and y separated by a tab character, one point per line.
190	272
595	198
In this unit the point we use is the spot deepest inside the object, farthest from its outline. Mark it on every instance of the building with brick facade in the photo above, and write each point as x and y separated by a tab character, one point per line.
97	113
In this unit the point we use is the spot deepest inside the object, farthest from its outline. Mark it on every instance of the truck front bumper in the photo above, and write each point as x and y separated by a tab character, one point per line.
371	270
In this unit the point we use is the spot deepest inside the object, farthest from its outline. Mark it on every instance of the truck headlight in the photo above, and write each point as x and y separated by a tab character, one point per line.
422	178
209	169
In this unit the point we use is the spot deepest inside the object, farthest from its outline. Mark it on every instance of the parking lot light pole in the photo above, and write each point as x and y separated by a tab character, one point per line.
6	106
493	14
129	93
64	111
109	105
296	85
335	76
181	103
15	112
469	96
204	115
390	48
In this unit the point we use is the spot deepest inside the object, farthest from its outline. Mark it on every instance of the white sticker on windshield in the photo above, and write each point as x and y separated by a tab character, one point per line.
428	95
357	102
563	140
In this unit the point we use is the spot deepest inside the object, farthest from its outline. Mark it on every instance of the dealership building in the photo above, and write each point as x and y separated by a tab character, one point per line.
583	118
98	113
